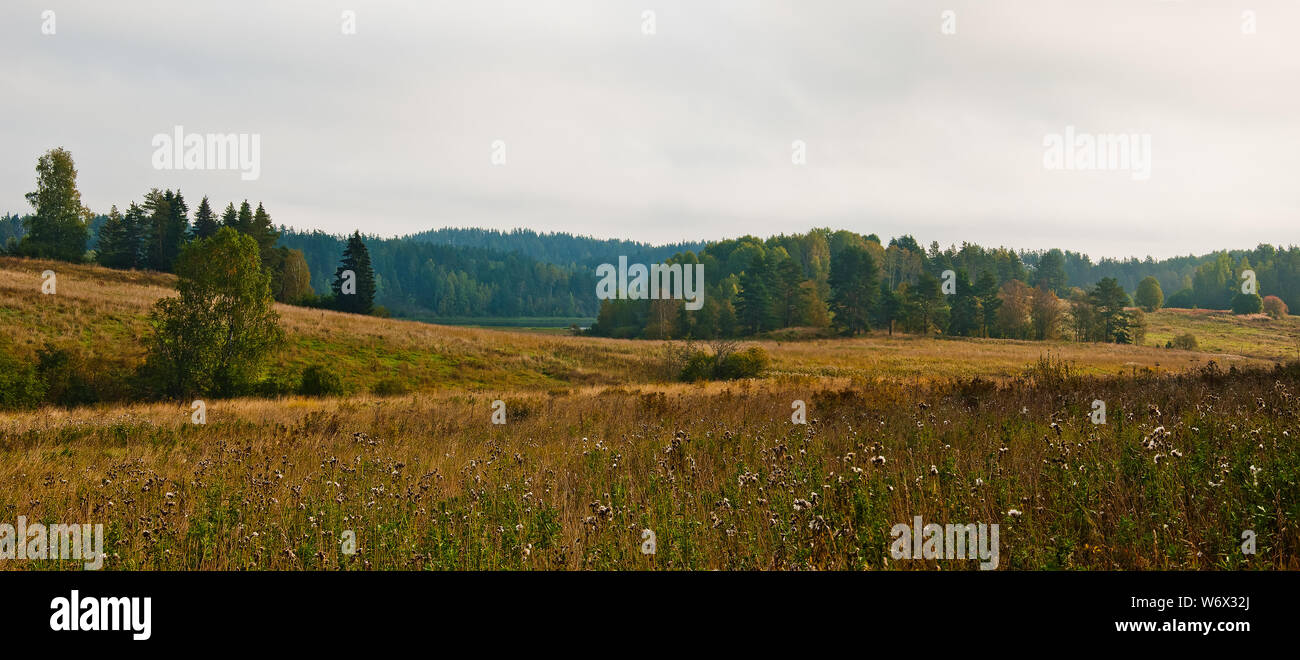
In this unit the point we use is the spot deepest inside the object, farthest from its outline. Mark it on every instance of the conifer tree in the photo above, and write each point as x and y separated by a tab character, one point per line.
355	294
205	221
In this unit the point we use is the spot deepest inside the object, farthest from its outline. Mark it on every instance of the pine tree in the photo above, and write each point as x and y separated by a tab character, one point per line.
986	292
114	250
965	308
356	258
245	221
157	207
927	299
754	301
855	285
178	227
230	217
790	297
118	241
1108	299
265	234
205	221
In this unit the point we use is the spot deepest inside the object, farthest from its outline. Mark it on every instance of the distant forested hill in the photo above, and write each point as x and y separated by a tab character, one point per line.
421	279
557	247
521	273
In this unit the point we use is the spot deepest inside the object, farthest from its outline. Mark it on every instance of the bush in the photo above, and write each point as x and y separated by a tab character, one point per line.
65	376
1184	299
320	381
20	385
699	366
274	387
389	387
725	363
1275	307
749	363
1185	341
1247	303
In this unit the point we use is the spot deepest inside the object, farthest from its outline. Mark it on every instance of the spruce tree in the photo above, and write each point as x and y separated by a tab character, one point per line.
230	217
265	234
114	249
205	221
157	206
356	258
245	221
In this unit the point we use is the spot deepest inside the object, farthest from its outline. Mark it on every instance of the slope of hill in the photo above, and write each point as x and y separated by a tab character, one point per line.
104	314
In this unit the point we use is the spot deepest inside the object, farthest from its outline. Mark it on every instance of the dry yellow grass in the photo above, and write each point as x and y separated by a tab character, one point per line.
105	313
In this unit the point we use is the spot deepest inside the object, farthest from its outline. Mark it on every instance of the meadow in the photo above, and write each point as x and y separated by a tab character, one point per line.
598	445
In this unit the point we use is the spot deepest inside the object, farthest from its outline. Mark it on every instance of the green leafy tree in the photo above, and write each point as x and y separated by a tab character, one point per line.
1149	296
855	288
291	282
214	338
59	228
356	294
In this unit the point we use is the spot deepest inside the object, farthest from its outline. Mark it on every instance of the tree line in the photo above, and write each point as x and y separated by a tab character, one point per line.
754	285
153	233
849	283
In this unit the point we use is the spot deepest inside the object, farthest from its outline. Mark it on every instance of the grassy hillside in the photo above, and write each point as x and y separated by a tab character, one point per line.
105	313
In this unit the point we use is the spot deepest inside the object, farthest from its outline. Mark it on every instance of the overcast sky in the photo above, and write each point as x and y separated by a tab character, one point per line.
685	133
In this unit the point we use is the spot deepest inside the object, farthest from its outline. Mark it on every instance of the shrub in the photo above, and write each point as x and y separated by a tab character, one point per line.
1184	299
724	363
320	381
1185	341
699	366
1247	303
275	386
1275	307
65	376
749	363
20	385
389	387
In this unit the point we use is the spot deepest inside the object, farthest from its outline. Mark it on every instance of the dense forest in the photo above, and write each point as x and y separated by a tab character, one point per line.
849	283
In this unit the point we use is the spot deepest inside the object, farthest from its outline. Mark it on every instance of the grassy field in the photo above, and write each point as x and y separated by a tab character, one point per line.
598	446
104	313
